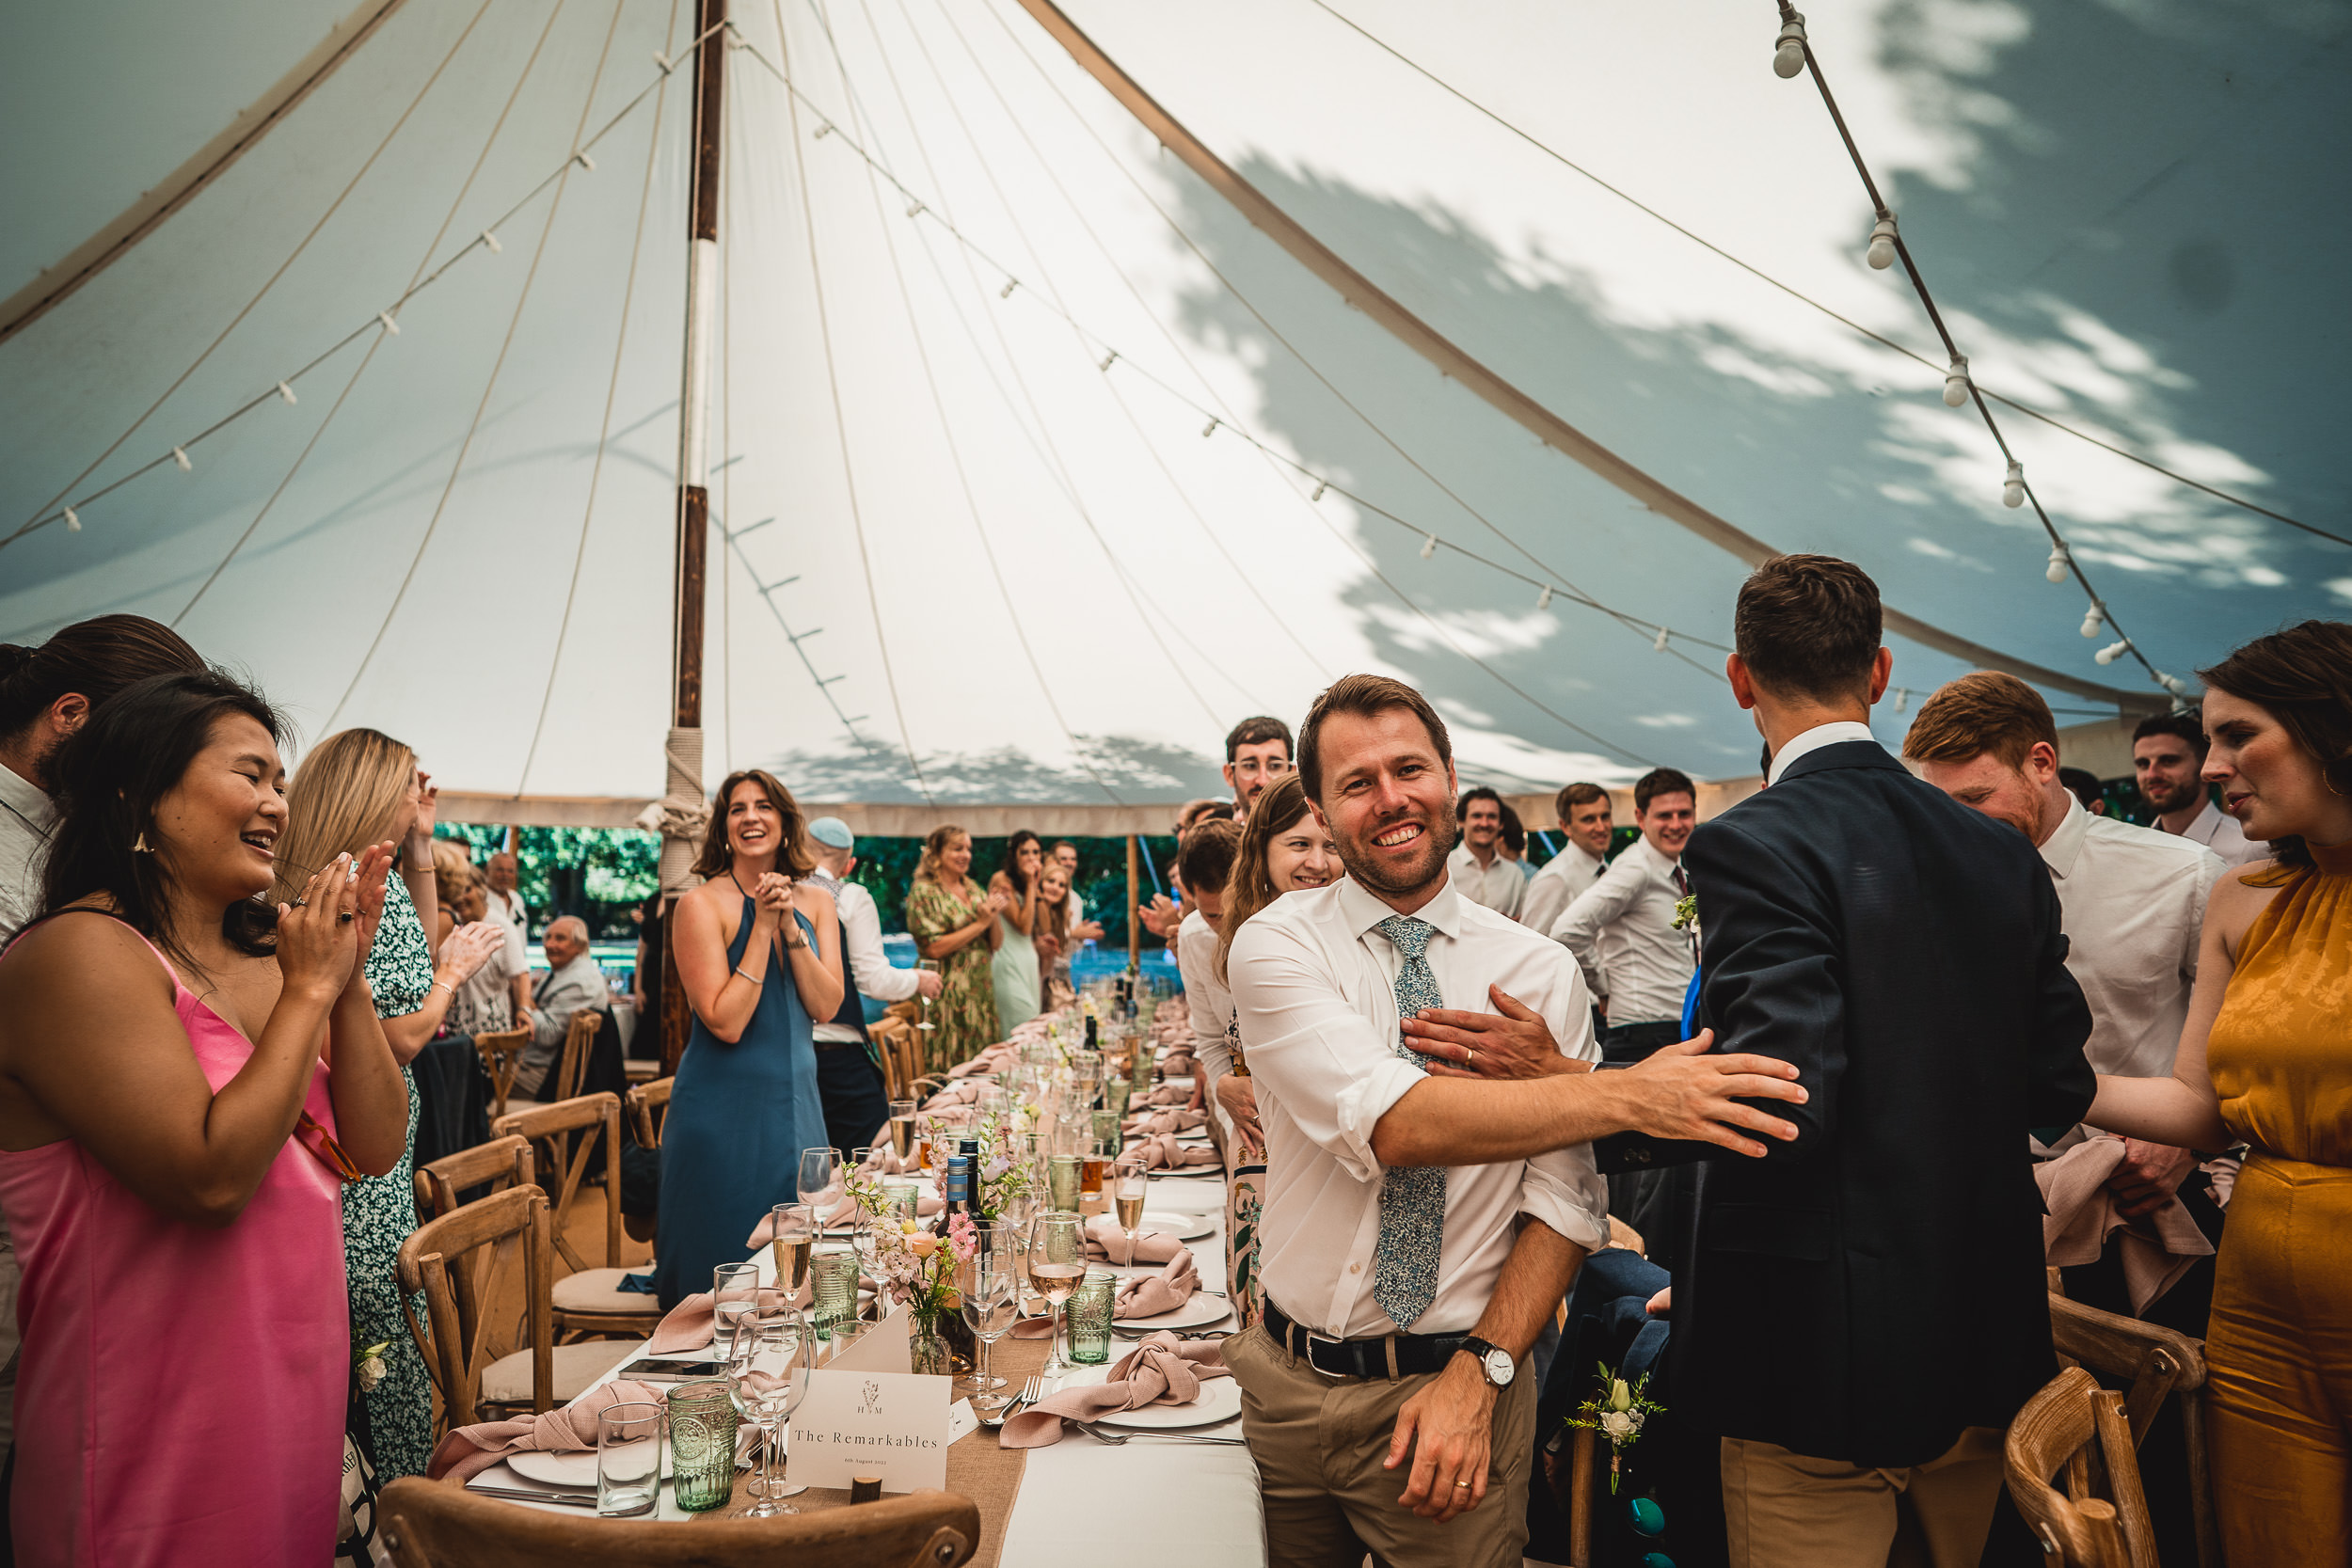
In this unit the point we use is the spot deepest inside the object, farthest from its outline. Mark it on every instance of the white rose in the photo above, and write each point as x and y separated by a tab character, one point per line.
1620	1396
1619	1425
372	1373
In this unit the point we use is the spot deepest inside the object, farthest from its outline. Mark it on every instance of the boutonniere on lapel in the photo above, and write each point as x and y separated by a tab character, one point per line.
1687	912
1617	1410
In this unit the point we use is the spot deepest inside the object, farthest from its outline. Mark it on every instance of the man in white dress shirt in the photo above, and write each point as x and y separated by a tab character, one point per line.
1583	812
2169	758
1480	869
1257	756
1622	928
1403	1283
1205	863
849	1078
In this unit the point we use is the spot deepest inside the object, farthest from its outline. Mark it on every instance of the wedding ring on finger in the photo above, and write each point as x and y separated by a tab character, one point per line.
302	901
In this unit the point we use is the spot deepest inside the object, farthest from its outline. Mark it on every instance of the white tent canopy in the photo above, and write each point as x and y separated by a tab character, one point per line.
1040	547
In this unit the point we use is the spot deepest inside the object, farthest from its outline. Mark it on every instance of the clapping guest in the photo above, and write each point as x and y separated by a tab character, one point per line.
760	953
1053	937
1013	964
355	789
171	1156
482	1003
954	926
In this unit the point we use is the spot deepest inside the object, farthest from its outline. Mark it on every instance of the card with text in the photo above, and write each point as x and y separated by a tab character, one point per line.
858	1423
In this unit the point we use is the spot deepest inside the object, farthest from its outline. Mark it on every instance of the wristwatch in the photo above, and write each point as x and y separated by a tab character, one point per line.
1494	1362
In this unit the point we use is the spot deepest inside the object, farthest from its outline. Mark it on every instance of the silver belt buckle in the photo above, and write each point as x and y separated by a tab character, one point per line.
1327	1338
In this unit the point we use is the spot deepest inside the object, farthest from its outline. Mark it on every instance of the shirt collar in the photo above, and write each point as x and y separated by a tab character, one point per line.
22	797
1363	912
2065	845
1832	734
2203	827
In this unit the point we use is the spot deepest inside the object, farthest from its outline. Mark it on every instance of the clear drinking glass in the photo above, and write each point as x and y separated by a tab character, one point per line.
628	1458
832	1274
1088	1317
734	1296
929	966
795	1232
992	1304
1129	1186
902	1129
766	1378
1063	1176
1057	1263
820	1182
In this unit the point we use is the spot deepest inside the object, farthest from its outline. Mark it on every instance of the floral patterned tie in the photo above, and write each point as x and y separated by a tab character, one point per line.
1412	1198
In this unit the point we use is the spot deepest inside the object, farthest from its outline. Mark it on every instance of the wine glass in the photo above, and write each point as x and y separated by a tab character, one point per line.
929	966
767	1386
820	1181
795	1232
1057	1260
1132	1183
992	1304
902	1129
734	1299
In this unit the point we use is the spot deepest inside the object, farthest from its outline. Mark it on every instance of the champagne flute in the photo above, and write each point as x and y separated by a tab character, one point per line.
767	1386
930	966
794	1233
1057	1260
902	1129
1128	1195
992	1304
820	1181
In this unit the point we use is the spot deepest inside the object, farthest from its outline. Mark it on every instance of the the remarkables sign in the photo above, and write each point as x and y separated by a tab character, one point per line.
889	1424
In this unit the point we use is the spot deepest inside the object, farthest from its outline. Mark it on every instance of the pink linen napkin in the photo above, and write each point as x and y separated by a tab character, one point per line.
1179	1064
2156	1249
964	1093
1162	1370
997	1058
1150	1295
466	1451
1106	1243
1163	1152
1166	1121
1165	1094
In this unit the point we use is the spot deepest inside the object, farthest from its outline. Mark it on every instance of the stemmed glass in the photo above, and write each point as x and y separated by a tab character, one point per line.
820	1182
1057	1260
902	1129
992	1304
929	966
1128	1195
767	1386
794	1233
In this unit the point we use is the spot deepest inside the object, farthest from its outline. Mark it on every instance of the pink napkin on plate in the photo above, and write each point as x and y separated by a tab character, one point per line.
466	1451
1162	1370
1163	1152
1150	1295
1166	1094
1166	1121
690	1324
1106	1243
997	1058
964	1093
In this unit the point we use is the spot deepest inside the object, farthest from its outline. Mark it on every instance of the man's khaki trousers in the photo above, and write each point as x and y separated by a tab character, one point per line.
1319	1443
1784	1510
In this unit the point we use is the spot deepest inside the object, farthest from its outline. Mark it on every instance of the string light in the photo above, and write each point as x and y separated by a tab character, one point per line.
1659	645
1429	547
1881	252
1956	386
824	129
491	239
1107	360
584	161
1543	600
1210	428
2013	485
1902	698
2113	651
2060	562
389	326
286	394
1011	284
179	455
72	521
667	64
1319	488
1788	55
2093	619
914	209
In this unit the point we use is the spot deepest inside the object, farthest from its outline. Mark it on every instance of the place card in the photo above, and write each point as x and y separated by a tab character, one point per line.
852	1423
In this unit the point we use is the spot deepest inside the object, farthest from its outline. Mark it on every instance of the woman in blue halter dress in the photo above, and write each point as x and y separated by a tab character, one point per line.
745	1103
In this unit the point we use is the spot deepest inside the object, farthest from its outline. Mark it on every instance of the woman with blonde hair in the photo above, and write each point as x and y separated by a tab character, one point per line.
1052	936
485	1001
355	789
760	953
954	926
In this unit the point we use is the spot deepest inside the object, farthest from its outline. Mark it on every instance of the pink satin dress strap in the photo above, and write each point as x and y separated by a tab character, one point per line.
180	1400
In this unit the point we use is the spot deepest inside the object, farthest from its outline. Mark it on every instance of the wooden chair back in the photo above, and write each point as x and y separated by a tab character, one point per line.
564	1135
501	1163
891	1035
501	1056
648	1105
2158	1363
2075	1429
457	1262
431	1524
571	1067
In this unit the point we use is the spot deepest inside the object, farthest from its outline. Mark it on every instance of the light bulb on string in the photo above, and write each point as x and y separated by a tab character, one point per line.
2174	685
823	131
72	521
1956	384
914	209
285	394
1320	487
491	239
1210	428
2013	485
1429	547
2093	619
1902	698
584	161
179	455
1881	252
1788	55
1107	359
390	325
1659	645
1543	600
2059	563
2113	651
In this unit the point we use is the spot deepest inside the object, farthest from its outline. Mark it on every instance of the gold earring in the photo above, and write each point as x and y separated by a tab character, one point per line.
141	847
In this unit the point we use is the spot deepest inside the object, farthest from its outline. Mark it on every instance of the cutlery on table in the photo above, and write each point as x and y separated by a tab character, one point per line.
569	1499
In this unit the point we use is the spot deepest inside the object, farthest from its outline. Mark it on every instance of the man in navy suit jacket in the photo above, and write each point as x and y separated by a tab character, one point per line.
1863	1309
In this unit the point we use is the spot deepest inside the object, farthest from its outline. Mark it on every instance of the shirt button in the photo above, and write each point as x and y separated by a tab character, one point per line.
1355	1268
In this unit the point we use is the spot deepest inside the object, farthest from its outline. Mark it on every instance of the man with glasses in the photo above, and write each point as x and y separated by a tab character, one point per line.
1257	755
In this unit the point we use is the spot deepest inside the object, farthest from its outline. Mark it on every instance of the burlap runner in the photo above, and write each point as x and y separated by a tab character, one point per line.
977	1467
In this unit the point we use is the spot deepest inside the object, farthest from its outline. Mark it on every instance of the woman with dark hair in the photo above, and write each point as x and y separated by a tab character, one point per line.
188	1076
954	926
2267	1060
1012	964
759	954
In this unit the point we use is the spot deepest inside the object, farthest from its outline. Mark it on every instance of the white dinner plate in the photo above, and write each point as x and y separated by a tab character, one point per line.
1199	1312
564	1469
1185	1228
1219	1401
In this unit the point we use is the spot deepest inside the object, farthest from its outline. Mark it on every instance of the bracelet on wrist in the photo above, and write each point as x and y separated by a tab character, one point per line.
747	974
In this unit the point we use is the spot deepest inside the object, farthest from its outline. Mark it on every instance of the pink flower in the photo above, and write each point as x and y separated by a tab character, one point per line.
963	1236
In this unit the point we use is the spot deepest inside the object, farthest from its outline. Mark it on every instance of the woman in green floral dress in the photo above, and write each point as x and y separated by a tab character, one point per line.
355	789
954	925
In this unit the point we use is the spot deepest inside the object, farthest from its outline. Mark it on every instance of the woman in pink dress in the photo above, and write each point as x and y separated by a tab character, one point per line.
187	1075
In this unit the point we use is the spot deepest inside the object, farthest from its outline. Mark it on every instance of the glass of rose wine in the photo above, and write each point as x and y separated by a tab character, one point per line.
1057	1260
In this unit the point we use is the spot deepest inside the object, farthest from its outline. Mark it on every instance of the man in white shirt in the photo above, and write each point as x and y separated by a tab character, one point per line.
2168	757
1257	756
1480	870
1583	812
506	911
1206	861
505	874
1082	930
1622	928
1417	1234
849	1077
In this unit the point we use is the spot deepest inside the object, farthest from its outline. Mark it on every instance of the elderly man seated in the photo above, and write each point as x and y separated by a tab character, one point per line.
573	984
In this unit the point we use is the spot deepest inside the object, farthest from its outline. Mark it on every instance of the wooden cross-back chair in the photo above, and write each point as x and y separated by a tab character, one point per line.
501	1058
500	1163
2159	1364
566	1135
571	1067
648	1106
458	1263
431	1525
2077	1431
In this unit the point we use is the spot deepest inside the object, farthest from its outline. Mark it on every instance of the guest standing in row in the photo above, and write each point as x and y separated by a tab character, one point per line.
1480	870
760	953
1052	939
485	1001
954	926
1013	964
188	1075
857	1099
355	789
2168	759
1584	814
2265	1060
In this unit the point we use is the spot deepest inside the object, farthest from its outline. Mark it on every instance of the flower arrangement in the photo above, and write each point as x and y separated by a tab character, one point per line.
367	1364
1687	912
1005	1178
919	1268
1618	1410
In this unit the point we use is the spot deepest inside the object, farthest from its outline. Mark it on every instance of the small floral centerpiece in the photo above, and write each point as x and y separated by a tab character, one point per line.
1006	1175
1617	1410
919	1268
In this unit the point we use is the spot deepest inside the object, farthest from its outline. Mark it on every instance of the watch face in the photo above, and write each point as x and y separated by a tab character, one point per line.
1498	1367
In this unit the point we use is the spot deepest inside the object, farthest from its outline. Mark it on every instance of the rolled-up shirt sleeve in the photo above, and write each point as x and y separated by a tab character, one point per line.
1564	1188
1321	1058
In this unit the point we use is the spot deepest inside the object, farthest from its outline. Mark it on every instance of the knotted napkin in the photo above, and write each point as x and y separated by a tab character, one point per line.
690	1324
1107	1243
1166	1094
1150	1295
2156	1250
963	1092
1163	1152
1166	1121
1179	1064
997	1058
468	1451
1162	1369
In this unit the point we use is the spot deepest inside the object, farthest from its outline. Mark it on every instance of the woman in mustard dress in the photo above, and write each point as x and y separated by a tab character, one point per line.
2267	1060
954	925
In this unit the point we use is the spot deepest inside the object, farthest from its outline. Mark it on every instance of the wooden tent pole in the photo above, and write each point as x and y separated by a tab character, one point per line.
1134	921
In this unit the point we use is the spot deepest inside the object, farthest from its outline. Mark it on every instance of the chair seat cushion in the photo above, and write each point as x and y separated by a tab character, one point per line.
600	1291
507	1380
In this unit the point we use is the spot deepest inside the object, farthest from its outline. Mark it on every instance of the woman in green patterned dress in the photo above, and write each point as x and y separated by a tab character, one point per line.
954	925
358	788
